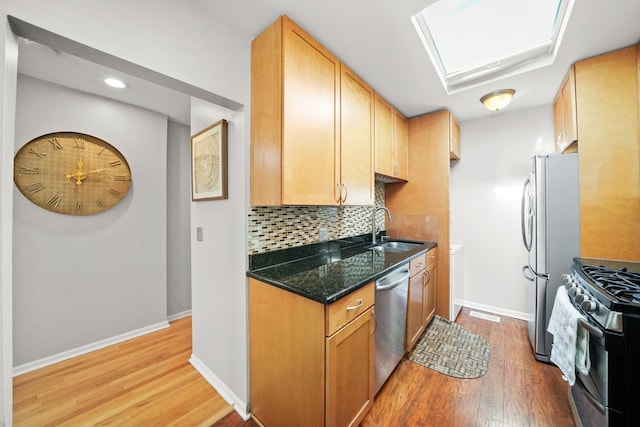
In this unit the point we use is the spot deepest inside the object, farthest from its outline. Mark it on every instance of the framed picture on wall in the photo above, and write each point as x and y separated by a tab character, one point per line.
209	163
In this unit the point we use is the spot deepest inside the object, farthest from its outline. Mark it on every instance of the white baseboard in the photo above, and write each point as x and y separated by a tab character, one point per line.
496	310
180	315
229	396
50	360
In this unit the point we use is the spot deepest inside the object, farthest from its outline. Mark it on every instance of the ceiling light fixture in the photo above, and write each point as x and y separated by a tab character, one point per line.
117	83
497	100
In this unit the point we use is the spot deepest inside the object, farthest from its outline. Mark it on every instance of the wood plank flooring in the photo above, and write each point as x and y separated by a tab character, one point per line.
516	391
146	381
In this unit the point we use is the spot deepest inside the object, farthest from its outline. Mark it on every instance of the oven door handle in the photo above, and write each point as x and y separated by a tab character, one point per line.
592	329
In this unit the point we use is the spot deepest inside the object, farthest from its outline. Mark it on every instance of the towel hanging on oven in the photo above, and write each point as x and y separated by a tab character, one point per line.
570	349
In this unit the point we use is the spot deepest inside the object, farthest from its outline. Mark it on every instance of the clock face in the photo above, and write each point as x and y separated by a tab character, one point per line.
71	173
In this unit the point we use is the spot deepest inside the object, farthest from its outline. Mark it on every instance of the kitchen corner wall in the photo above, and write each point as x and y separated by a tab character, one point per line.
279	227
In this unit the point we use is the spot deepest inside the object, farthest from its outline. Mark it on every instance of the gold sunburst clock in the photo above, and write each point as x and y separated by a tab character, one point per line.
71	173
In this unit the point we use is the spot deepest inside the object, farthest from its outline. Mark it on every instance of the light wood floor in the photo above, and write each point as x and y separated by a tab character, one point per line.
516	391
146	381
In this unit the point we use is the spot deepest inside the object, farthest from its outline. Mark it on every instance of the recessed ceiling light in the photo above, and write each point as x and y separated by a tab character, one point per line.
113	82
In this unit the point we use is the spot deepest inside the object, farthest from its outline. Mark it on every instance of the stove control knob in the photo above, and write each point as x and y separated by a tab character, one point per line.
567	281
589	306
574	292
580	297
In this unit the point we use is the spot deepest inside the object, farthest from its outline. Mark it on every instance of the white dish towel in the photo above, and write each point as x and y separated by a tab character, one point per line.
570	349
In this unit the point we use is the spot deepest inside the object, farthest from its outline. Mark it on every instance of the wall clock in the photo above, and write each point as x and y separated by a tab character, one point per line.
71	173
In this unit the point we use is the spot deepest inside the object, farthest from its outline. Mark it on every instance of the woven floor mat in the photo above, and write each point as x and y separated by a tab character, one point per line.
449	348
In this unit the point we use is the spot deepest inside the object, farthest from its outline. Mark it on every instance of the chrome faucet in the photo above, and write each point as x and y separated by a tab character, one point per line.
373	221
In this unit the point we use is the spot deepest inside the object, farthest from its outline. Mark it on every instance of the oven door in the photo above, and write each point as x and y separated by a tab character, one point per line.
589	393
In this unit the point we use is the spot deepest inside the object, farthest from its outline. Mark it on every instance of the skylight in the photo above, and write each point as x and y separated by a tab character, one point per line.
475	41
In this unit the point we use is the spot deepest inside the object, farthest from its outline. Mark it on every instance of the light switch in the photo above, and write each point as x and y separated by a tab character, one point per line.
199	234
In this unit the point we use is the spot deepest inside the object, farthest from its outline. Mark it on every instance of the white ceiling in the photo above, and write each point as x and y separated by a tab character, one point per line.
377	40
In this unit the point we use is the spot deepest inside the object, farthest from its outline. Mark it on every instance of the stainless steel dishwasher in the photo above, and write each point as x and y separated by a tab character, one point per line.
391	322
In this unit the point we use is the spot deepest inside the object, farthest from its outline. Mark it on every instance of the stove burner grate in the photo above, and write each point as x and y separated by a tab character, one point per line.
622	284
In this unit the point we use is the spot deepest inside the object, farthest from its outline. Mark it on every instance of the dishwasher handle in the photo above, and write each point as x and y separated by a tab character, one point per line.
381	286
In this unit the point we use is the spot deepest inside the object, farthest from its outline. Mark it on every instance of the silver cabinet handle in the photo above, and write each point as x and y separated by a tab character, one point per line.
339	192
355	307
346	192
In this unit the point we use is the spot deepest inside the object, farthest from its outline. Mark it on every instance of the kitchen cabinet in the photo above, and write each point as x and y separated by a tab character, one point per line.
423	202
422	296
391	141
565	125
296	123
454	139
356	140
608	122
415	317
310	364
430	285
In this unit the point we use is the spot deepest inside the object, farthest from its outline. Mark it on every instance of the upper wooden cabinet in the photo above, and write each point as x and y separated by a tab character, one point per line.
391	141
454	138
356	140
401	145
608	121
296	145
565	126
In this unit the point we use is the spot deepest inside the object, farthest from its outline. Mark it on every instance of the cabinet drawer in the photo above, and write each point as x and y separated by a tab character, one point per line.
432	256
418	264
348	308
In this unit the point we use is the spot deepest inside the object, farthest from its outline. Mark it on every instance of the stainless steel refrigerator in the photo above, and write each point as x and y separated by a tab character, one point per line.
551	235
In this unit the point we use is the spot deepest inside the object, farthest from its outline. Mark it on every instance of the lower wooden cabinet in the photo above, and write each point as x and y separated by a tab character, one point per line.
422	296
310	364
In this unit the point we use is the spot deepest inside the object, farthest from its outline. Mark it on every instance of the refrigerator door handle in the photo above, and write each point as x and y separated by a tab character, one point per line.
527	276
536	274
526	217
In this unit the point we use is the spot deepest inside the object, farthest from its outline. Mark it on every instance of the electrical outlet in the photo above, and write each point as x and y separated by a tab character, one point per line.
199	234
322	234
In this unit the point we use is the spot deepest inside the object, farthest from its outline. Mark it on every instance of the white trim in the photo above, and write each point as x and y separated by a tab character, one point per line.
225	392
497	310
50	360
180	315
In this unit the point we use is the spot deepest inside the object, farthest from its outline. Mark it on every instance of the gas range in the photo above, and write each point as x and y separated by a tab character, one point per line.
605	290
607	294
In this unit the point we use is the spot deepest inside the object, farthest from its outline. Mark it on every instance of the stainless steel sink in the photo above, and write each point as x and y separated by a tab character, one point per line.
396	246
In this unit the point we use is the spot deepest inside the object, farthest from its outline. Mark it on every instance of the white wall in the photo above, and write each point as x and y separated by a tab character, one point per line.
178	220
81	279
219	266
8	84
182	41
486	189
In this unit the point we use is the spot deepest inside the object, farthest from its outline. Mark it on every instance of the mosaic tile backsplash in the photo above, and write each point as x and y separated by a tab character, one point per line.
279	227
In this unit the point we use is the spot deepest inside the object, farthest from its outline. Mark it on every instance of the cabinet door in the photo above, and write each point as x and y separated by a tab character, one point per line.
569	107
400	146
310	120
454	138
429	294
356	185
350	370
383	136
415	318
558	122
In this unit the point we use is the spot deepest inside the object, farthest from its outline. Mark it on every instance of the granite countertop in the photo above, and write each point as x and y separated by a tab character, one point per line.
327	271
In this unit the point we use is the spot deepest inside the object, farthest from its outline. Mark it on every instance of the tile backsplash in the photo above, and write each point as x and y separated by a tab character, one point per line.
279	227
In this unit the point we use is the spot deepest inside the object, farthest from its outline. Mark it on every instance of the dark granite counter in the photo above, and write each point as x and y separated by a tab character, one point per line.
325	272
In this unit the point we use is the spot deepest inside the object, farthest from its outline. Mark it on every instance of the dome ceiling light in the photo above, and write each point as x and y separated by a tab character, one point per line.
497	100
